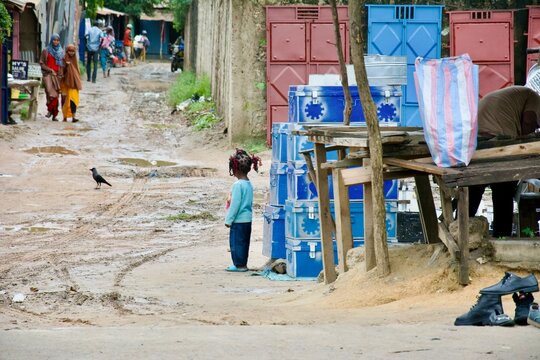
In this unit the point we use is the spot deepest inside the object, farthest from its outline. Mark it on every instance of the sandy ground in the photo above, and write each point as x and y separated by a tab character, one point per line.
105	275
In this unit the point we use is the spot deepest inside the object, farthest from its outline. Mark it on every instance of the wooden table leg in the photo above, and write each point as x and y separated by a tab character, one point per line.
428	214
344	239
369	237
324	215
32	110
463	241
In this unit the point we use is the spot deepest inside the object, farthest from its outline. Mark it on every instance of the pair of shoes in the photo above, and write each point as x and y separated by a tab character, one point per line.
233	268
534	315
481	312
74	120
511	283
523	303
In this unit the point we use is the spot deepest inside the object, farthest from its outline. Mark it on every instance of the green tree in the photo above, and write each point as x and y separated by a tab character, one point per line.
180	10
91	7
133	7
5	22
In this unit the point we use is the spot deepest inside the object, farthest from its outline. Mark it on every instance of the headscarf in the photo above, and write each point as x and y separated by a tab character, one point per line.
72	75
57	52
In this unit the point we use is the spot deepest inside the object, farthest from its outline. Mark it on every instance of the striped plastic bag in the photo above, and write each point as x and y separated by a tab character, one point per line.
447	91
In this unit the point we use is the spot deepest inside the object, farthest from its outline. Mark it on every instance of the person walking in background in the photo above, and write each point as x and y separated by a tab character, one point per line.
51	62
140	44
93	41
128	42
106	51
71	84
240	214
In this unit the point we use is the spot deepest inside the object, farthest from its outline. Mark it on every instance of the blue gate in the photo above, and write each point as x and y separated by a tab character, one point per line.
406	30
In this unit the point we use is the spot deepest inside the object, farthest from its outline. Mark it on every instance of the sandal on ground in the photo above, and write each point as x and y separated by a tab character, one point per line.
64	119
233	268
74	120
54	119
48	115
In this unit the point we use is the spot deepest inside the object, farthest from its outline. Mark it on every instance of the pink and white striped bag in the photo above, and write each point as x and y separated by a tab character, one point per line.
447	91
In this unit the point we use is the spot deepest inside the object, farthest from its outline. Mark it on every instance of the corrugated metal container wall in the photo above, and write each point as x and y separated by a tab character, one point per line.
406	30
488	37
300	41
533	34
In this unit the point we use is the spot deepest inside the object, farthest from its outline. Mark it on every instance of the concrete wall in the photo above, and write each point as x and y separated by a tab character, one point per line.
225	40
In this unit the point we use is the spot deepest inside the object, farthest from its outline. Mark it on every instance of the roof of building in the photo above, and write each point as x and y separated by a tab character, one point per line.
21	4
159	15
106	11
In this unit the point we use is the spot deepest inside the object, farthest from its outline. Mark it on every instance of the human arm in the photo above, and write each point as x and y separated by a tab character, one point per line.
529	122
43	63
236	200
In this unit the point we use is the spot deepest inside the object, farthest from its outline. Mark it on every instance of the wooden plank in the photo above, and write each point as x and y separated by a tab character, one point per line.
428	214
325	218
342	164
463	241
369	236
415	165
448	240
446	201
344	239
311	171
354	176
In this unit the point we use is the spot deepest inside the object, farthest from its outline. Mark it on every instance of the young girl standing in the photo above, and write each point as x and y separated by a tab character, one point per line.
239	214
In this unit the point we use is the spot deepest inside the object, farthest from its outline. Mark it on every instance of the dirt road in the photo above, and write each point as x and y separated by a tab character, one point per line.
105	274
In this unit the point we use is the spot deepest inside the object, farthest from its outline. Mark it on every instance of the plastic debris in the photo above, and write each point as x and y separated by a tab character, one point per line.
18	298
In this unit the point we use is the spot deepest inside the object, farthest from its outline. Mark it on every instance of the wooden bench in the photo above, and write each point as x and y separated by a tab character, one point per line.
28	86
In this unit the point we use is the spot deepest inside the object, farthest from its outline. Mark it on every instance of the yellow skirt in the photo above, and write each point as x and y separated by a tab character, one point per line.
70	102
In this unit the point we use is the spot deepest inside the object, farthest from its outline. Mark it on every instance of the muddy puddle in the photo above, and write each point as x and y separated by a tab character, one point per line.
50	150
145	163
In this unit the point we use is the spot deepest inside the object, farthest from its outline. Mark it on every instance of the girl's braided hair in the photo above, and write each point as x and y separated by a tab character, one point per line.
241	161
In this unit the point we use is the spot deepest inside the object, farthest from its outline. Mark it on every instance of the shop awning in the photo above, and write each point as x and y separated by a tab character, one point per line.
106	11
21	4
159	15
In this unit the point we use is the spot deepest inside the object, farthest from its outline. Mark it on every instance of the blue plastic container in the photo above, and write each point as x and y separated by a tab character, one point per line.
280	134
302	219
299	186
406	30
278	183
304	257
274	232
298	143
325	104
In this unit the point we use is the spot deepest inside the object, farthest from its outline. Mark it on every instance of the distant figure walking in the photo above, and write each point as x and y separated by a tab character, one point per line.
52	62
98	178
70	84
128	42
93	41
106	52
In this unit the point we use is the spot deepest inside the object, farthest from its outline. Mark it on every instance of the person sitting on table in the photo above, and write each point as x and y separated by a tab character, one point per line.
511	112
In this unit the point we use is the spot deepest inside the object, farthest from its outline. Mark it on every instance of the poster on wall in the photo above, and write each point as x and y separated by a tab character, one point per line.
19	69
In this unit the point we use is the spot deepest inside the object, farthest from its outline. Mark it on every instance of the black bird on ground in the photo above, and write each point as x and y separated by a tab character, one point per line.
98	178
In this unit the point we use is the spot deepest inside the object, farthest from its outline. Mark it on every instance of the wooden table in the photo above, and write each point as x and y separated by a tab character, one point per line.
405	154
28	86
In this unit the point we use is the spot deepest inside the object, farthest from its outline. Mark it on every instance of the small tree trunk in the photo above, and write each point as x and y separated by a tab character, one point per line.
375	144
343	70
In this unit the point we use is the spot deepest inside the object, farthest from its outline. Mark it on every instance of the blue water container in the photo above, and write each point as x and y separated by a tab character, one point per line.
300	187
304	257
302	219
280	134
325	104
278	183
274	232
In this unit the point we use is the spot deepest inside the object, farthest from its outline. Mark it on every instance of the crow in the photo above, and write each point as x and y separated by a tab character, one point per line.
98	178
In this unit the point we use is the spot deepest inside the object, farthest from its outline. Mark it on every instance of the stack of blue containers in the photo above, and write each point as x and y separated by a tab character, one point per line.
292	227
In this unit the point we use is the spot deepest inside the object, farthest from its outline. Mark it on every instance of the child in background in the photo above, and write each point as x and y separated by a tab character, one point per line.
239	214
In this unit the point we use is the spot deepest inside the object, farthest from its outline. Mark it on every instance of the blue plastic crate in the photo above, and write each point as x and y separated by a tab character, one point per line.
304	257
297	143
302	219
278	183
299	186
274	232
325	104
280	134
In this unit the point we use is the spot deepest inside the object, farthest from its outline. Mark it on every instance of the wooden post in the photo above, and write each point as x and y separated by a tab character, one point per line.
463	241
369	239
428	215
324	215
344	239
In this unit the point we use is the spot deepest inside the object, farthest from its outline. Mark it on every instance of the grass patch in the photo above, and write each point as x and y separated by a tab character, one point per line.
25	109
205	215
188	86
82	69
202	115
254	145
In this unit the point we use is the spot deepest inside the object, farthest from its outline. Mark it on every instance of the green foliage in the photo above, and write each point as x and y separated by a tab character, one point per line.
186	86
205	215
528	232
180	9
82	68
260	86
5	22
92	6
202	115
254	145
25	110
133	7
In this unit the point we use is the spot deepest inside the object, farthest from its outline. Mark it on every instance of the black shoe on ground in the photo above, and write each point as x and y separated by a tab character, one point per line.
480	313
523	303
512	283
